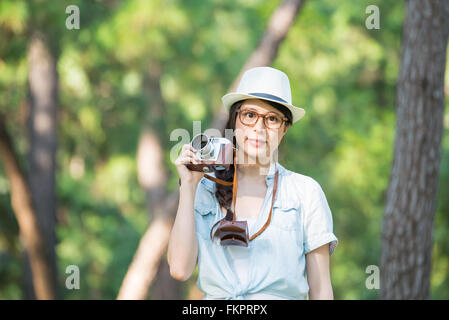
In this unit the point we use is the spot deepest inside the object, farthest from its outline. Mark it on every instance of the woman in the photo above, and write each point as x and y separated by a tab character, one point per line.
286	212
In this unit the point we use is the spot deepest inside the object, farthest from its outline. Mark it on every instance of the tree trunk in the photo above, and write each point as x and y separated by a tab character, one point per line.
152	177
165	287
42	132
27	220
412	193
153	245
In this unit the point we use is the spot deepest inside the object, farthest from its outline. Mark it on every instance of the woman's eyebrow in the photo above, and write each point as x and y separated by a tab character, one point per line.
252	109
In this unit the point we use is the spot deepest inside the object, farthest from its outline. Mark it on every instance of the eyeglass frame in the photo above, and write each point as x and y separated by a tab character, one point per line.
260	115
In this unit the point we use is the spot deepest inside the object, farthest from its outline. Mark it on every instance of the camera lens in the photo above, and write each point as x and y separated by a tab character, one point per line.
204	141
202	144
199	141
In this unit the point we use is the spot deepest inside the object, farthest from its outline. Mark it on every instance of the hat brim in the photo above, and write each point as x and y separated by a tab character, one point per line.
231	98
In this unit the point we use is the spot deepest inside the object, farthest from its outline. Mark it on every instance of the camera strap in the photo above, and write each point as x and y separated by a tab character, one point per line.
223	182
230	216
275	188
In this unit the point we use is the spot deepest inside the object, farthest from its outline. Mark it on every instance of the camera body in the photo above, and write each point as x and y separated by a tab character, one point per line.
215	153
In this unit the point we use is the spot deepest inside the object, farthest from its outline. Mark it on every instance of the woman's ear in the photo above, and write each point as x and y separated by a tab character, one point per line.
286	127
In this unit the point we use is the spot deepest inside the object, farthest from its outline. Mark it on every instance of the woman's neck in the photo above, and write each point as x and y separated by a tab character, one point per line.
253	171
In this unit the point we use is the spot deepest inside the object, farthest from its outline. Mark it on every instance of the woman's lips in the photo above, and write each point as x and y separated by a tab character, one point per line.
256	142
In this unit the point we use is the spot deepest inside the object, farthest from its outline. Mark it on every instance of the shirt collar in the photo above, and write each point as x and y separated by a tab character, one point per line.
211	186
208	184
272	170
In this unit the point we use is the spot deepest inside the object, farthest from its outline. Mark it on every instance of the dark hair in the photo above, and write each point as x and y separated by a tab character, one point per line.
224	193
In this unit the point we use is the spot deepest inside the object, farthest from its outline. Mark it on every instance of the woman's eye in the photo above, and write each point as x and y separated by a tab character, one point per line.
273	119
250	115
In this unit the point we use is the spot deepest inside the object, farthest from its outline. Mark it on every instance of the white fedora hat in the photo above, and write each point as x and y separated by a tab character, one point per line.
264	83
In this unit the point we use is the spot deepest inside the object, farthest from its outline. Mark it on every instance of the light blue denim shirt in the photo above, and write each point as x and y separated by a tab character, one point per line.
301	222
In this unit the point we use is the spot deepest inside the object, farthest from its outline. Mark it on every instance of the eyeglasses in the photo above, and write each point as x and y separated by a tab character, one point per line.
271	120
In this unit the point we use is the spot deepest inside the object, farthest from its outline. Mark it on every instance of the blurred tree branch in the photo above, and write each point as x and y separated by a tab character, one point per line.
42	134
26	217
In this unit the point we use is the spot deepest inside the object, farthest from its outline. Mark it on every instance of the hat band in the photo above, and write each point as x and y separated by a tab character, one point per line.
268	96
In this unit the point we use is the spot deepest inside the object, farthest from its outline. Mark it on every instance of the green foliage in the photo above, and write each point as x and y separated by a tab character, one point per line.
162	64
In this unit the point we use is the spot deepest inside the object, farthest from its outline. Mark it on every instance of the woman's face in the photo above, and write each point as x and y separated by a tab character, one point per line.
257	143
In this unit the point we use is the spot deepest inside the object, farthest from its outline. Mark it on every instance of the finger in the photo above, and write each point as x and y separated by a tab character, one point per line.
186	160
181	160
186	146
189	153
193	159
186	151
191	150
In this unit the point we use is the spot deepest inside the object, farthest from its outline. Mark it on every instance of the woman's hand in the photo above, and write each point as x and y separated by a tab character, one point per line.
187	156
183	244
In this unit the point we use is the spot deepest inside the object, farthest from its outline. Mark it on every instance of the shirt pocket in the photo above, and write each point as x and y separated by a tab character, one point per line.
205	214
286	221
285	215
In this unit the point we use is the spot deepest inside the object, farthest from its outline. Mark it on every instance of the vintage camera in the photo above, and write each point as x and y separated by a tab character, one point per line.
214	153
231	232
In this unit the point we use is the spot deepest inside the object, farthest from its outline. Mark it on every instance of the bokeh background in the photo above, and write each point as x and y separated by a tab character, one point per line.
156	65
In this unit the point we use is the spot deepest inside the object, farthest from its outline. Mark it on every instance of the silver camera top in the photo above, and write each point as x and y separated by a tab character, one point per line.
208	149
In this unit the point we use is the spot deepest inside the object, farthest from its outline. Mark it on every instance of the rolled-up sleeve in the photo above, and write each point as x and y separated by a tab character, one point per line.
318	224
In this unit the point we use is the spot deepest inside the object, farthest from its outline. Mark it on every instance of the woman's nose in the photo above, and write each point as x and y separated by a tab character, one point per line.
260	124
